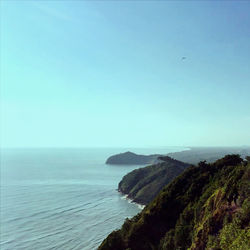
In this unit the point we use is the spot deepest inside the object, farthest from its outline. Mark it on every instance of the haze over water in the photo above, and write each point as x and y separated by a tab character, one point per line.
62	198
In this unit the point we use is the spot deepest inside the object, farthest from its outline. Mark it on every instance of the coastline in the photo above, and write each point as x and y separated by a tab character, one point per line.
125	197
130	200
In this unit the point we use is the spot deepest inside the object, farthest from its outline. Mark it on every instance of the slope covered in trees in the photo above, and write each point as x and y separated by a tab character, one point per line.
206	207
143	184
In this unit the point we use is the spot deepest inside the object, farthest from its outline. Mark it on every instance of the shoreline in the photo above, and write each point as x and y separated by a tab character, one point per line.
125	197
139	205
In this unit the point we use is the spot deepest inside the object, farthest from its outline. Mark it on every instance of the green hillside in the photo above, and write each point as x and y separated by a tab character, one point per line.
206	207
143	184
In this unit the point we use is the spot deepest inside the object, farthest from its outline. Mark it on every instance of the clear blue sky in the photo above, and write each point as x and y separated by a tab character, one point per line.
99	73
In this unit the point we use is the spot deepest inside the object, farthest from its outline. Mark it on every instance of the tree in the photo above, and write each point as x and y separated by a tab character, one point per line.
229	160
202	163
248	159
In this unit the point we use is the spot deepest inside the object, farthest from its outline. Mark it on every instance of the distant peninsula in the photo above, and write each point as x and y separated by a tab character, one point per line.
143	184
129	158
193	156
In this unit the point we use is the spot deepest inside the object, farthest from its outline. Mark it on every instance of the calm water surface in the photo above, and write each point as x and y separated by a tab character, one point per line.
62	198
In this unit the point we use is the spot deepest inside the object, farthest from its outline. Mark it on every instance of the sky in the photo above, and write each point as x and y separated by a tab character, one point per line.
112	73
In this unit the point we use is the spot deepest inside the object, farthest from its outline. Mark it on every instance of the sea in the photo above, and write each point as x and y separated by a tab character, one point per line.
63	198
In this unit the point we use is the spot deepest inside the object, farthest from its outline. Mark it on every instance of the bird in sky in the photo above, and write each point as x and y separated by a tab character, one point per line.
183	58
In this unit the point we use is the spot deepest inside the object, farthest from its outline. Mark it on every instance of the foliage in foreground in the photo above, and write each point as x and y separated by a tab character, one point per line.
206	207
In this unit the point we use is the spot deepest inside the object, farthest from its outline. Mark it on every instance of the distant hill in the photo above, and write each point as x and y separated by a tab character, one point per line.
129	158
142	185
206	207
210	154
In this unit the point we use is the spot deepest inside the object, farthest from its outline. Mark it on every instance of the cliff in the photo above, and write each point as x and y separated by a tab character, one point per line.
142	185
206	207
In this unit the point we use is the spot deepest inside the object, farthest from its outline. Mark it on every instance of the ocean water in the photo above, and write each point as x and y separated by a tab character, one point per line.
55	198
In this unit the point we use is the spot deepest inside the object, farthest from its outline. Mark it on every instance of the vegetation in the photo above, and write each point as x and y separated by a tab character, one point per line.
129	158
248	158
142	185
206	207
